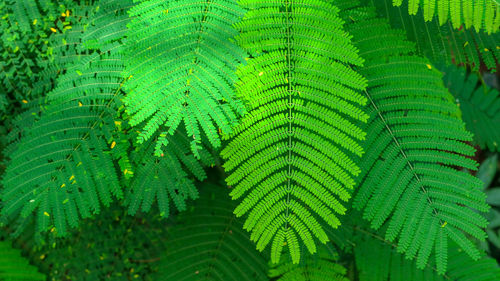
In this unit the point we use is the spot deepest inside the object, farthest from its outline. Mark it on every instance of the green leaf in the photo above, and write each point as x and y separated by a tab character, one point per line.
180	67
291	160
493	196
410	184
168	178
487	170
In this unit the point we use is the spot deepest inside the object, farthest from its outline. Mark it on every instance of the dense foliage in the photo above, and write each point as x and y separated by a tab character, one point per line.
249	140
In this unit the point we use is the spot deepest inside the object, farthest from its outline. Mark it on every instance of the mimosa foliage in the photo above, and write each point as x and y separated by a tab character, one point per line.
180	66
168	178
292	159
412	179
346	132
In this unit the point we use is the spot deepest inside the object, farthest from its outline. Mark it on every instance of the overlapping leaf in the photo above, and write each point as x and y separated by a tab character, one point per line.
169	178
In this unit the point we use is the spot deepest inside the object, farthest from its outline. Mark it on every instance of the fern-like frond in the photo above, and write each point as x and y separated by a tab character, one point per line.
168	178
378	260
443	43
292	158
413	179
207	242
479	13
46	172
480	105
323	266
181	63
14	267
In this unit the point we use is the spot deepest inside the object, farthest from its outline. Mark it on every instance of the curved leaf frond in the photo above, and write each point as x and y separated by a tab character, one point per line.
413	180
